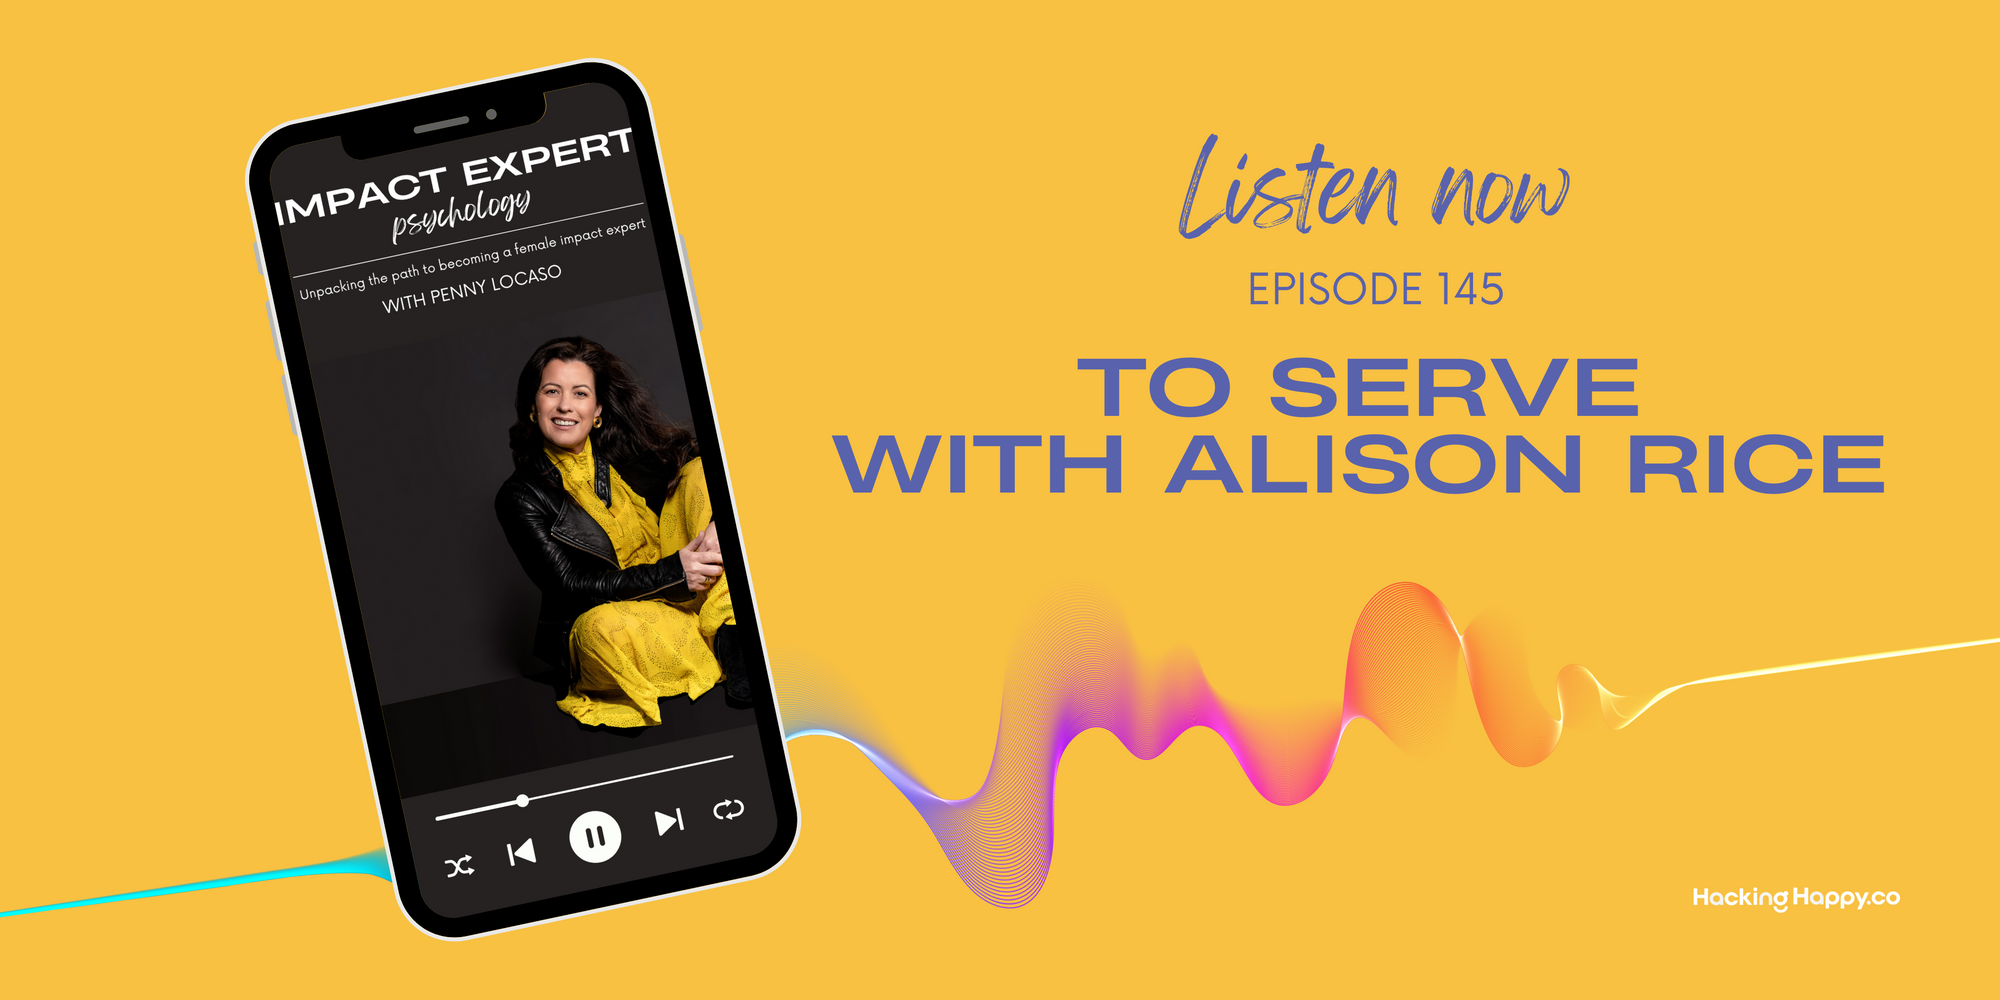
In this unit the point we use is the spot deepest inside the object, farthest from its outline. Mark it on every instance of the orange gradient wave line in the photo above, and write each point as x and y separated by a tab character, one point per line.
1080	672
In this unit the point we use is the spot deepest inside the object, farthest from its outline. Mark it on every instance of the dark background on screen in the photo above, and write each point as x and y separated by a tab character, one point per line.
423	429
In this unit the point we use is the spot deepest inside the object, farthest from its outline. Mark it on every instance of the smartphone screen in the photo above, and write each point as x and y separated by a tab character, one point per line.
491	358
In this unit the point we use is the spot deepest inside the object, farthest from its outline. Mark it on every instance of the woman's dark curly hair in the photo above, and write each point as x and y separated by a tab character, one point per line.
632	427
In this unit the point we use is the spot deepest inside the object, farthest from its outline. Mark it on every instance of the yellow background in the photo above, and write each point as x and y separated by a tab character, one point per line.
913	221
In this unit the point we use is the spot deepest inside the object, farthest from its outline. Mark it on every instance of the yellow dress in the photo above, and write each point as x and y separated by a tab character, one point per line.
627	655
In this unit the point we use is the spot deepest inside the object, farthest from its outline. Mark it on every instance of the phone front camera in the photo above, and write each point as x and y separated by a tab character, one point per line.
491	114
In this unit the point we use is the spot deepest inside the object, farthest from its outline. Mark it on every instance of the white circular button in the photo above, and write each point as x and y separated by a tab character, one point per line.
594	837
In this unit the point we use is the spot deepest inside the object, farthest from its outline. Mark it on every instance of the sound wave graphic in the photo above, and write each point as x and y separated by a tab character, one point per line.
375	862
1403	666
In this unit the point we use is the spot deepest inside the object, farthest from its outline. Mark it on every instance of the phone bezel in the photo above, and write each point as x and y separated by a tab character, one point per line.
383	128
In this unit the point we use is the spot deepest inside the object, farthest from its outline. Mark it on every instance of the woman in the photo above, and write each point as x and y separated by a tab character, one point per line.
608	512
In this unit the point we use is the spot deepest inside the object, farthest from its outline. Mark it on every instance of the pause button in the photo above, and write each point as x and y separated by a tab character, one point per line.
594	837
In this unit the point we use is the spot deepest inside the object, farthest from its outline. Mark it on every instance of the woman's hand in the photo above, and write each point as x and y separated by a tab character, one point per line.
701	560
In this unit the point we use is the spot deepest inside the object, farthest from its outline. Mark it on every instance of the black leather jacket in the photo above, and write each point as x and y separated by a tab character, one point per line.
570	557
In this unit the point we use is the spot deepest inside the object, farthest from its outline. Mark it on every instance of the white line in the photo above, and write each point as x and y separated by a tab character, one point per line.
523	800
470	239
1809	666
614	781
481	809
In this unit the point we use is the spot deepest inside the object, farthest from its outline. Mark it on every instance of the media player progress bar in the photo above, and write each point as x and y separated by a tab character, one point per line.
523	800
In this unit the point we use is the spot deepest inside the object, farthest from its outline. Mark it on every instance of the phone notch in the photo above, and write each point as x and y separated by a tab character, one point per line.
460	114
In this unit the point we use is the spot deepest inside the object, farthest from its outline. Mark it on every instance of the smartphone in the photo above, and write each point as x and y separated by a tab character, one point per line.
492	361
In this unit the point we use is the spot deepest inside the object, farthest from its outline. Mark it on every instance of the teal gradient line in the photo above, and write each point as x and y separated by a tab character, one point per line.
375	863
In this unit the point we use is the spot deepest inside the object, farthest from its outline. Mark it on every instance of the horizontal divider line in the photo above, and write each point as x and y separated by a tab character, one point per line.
523	800
469	239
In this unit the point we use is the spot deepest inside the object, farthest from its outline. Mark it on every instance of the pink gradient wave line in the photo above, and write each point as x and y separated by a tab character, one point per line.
1404	662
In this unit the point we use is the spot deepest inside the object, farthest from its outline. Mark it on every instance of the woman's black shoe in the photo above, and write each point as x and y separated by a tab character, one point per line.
736	682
